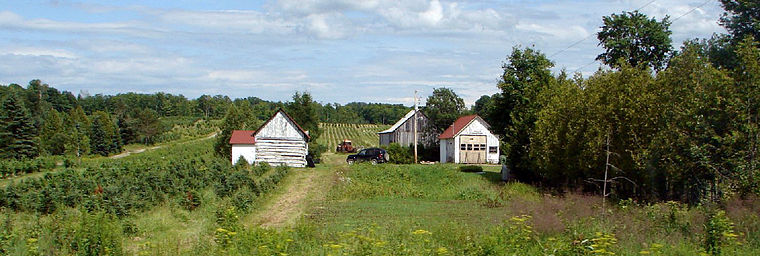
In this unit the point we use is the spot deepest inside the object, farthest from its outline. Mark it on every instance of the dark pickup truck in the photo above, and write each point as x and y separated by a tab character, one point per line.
372	155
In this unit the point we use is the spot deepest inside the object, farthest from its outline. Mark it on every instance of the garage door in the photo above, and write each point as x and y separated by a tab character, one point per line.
472	149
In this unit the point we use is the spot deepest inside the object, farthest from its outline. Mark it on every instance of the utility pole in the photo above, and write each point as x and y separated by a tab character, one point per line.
415	126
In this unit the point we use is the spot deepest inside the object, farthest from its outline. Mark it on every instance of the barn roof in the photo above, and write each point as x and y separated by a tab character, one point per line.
291	119
400	122
457	126
242	137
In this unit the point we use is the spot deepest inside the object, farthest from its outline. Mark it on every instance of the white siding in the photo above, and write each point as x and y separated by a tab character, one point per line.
476	127
279	127
248	151
277	152
281	142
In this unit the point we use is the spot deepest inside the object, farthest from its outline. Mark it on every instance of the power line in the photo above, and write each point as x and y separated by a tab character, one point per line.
592	34
692	10
679	17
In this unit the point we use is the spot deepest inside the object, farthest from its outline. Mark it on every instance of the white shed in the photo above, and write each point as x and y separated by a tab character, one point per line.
280	140
469	141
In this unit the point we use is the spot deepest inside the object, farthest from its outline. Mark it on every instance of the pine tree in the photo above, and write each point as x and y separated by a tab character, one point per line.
18	136
77	126
104	136
53	139
233	120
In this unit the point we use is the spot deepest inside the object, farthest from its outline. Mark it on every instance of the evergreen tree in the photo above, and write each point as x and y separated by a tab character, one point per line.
104	136
76	126
53	139
18	135
233	120
304	112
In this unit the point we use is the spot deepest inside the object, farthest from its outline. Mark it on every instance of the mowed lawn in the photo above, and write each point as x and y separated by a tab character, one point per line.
411	196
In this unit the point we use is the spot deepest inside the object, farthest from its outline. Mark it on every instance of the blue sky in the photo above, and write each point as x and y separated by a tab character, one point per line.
338	50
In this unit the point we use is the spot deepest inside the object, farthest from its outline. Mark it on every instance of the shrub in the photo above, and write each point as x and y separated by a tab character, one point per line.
470	168
243	200
242	164
316	150
98	234
400	154
719	232
191	200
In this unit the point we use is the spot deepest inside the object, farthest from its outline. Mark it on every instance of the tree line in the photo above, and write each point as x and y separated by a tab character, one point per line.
41	120
668	125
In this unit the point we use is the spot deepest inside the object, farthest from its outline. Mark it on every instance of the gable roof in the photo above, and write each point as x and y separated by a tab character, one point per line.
242	137
308	138
457	126
401	121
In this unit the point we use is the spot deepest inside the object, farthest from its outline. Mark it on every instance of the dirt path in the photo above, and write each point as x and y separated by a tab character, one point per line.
302	189
140	150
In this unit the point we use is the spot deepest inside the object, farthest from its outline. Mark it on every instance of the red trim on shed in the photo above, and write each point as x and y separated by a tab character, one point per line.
242	137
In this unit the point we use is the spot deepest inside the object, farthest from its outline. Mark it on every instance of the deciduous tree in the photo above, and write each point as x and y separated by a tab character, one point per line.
634	38
443	108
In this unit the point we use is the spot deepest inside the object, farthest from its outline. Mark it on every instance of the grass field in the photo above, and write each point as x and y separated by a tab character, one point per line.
362	135
386	209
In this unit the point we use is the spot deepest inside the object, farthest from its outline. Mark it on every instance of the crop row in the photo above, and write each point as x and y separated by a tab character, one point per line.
134	183
11	167
362	135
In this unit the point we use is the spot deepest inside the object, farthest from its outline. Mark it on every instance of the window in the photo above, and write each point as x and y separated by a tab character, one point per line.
469	146
483	147
462	146
492	150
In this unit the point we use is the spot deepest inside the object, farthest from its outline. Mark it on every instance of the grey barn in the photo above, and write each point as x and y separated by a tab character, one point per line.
402	132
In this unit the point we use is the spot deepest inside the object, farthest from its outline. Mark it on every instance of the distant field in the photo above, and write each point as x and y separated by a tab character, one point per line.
362	135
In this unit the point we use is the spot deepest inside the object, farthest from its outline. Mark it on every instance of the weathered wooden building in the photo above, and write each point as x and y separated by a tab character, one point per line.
402	132
468	140
280	140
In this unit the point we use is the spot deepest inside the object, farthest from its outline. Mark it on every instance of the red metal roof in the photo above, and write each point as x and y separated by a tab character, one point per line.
455	128
242	137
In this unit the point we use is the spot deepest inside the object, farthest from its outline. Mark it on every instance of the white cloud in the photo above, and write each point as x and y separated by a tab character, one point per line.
341	50
15	21
34	51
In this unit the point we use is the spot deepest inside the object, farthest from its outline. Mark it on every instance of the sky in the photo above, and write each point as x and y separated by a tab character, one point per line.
340	51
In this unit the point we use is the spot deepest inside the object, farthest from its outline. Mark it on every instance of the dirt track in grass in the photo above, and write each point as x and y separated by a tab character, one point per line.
301	189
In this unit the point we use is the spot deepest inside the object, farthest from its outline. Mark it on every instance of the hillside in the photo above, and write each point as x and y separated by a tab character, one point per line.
362	135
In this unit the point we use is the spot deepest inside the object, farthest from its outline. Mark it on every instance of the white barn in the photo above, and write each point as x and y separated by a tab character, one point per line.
280	140
469	141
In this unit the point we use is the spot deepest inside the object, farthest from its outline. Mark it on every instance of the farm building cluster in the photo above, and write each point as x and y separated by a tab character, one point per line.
281	141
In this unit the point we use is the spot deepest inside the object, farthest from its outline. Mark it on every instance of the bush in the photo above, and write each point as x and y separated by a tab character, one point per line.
191	200
470	168
316	150
98	234
719	232
400	154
